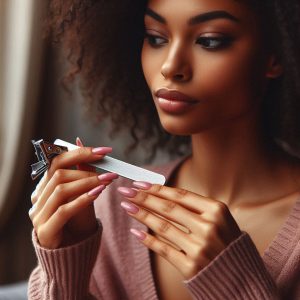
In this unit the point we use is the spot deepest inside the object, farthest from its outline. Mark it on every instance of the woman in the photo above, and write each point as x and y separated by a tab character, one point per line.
223	76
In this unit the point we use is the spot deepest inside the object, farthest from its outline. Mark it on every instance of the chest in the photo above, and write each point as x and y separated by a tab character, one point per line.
169	281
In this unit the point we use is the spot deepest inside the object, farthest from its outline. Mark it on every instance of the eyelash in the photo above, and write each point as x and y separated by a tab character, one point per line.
222	42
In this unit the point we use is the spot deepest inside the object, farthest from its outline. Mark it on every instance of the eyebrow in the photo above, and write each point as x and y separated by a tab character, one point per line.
204	17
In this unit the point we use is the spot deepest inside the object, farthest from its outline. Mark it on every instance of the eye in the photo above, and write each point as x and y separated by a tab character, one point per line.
214	42
155	40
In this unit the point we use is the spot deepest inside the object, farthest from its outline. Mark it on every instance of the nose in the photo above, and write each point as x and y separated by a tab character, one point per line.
177	65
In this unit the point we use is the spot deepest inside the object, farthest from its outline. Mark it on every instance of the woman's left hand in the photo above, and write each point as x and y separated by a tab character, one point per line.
208	224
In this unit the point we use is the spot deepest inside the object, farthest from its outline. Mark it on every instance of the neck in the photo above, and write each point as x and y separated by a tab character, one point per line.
234	165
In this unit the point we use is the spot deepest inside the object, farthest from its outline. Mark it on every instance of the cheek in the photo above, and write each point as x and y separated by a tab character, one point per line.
228	75
233	80
149	65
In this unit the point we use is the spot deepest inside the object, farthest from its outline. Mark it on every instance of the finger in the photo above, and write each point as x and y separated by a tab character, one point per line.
63	214
165	208
60	176
65	176
84	167
178	259
62	194
202	229
78	156
160	226
35	194
72	158
190	200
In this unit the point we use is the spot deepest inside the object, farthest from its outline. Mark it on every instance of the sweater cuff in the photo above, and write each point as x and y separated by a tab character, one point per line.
67	270
238	272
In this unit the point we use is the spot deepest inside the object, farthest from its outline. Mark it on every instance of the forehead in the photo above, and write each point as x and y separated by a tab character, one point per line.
239	8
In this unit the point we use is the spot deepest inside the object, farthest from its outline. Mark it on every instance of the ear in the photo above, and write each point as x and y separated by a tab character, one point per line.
274	67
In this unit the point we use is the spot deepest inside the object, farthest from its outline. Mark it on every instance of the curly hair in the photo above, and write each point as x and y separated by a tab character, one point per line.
103	41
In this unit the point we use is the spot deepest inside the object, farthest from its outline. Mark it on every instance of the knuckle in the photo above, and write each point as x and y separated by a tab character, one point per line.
59	189
157	188
34	221
211	231
180	192
220	209
59	175
34	197
163	227
143	215
62	212
143	197
40	232
163	250
169	206
151	242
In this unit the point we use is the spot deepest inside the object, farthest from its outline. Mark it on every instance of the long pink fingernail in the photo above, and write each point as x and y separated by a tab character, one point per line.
139	234
108	176
128	192
142	185
79	142
97	190
102	150
129	207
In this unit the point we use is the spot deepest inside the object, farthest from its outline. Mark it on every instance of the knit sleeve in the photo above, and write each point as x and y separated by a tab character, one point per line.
64	273
236	273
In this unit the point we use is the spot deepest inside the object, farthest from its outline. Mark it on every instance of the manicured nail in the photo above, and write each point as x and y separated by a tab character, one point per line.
142	185
79	142
108	176
129	207
97	190
140	235
128	192
102	150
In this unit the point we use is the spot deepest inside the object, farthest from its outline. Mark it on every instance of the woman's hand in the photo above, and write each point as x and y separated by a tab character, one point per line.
208	224
63	211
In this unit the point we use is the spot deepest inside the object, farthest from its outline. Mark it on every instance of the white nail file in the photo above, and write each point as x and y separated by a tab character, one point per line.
120	167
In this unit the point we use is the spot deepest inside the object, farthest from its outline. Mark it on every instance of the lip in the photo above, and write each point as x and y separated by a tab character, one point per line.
173	95
174	102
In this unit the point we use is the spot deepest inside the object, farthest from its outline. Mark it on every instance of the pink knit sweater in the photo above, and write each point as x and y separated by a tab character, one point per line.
113	265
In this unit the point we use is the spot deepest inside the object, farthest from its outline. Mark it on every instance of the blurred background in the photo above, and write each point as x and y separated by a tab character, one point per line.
34	105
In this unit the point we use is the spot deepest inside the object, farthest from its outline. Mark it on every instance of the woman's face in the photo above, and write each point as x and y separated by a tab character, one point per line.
204	62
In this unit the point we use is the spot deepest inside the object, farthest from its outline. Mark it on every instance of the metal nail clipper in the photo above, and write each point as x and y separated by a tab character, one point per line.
45	152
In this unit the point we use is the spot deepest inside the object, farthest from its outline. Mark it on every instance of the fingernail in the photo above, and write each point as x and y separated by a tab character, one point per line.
102	150
97	190
79	142
142	185
129	207
128	192
108	176
140	235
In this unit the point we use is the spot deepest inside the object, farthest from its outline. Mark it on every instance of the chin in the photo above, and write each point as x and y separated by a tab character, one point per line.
178	128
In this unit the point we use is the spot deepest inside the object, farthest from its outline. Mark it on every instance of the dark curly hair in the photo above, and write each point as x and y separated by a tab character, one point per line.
103	41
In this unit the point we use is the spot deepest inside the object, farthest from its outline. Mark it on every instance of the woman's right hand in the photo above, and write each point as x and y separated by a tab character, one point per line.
63	211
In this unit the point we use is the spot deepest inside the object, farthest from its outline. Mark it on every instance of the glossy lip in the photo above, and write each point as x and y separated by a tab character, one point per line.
174	102
173	95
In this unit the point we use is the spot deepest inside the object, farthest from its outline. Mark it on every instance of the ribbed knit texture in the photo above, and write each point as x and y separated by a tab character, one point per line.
122	266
